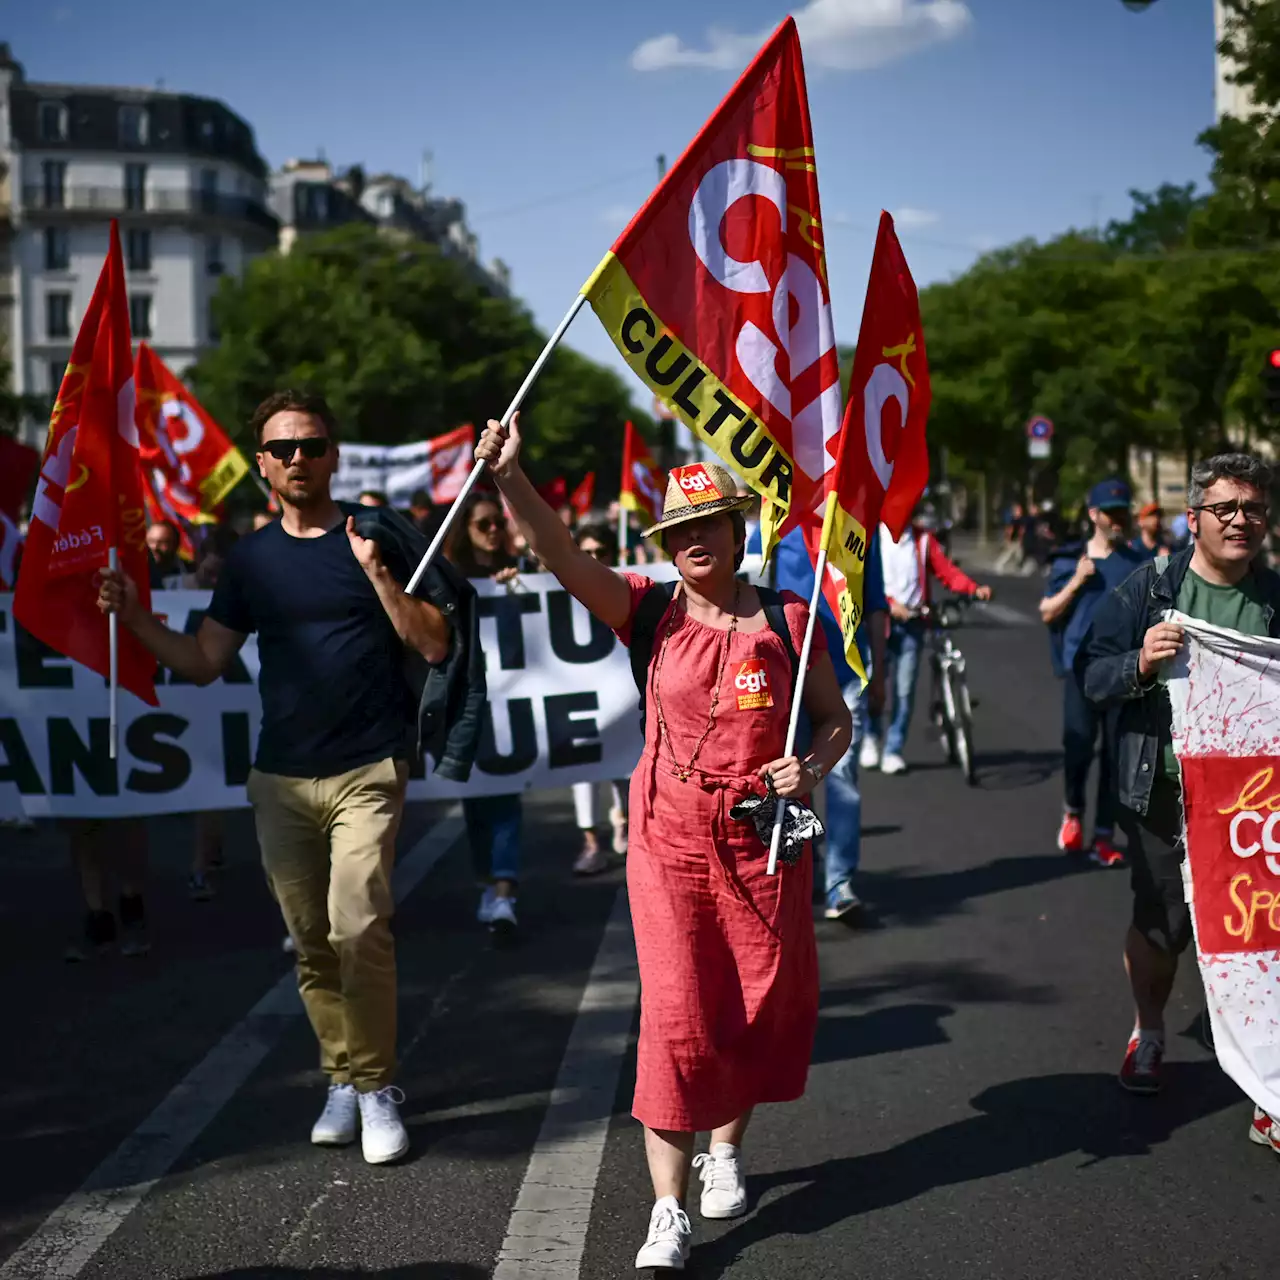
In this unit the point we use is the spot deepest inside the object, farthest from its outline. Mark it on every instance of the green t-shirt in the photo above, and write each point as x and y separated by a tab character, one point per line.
1239	608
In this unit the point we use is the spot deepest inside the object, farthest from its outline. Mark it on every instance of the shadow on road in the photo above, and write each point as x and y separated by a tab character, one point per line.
921	899
1010	770
1023	1123
892	1030
416	1271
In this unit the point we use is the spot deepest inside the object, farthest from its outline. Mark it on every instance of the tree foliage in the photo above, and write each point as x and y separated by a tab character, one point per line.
405	342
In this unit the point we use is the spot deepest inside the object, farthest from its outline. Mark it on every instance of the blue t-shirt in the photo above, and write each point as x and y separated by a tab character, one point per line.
794	572
334	696
1067	637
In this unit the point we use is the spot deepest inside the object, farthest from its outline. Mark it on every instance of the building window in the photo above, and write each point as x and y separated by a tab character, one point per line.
53	122
57	315
55	183
135	187
133	125
140	315
213	263
209	190
56	369
137	249
57	249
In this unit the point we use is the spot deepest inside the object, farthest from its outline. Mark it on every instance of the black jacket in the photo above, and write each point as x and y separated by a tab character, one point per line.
451	694
1107	664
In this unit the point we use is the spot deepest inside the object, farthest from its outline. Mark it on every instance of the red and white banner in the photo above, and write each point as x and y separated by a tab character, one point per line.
643	482
1225	693
439	466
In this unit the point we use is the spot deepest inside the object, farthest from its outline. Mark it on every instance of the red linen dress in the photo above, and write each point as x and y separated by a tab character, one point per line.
728	964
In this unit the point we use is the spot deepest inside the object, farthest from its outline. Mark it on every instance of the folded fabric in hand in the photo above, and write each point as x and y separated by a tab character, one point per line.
798	826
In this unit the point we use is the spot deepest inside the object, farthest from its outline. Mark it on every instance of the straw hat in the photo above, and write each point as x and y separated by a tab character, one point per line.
700	489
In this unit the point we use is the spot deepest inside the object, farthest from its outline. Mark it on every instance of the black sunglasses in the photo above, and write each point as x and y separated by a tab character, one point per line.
487	524
312	447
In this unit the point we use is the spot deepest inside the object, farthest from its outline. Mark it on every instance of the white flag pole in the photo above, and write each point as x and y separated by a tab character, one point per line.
530	378
113	664
623	524
797	697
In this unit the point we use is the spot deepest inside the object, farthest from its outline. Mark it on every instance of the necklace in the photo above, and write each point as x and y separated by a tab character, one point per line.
683	771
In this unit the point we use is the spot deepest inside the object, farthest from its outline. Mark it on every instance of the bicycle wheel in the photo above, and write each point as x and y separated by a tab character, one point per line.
958	687
950	745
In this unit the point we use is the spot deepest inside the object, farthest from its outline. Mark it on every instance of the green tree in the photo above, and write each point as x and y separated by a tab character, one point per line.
405	343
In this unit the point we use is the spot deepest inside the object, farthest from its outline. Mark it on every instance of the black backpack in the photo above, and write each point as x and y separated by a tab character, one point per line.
653	605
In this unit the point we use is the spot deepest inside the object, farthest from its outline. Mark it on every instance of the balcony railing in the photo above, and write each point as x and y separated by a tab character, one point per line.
189	201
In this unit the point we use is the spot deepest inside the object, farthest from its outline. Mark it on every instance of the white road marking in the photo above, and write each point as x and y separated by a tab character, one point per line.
547	1231
67	1240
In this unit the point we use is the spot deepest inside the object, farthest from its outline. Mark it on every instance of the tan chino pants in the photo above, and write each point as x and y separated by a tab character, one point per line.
328	847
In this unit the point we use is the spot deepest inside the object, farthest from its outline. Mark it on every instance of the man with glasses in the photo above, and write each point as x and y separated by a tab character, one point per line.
328	783
1125	661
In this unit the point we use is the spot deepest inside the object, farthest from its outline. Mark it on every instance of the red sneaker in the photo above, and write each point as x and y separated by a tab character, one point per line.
1142	1063
1104	853
1261	1130
1071	834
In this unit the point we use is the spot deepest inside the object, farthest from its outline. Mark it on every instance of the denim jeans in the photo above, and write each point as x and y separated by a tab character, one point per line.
1083	725
843	841
902	657
493	832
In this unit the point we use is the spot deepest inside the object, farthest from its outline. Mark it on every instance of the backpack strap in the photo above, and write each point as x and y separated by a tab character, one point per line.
775	615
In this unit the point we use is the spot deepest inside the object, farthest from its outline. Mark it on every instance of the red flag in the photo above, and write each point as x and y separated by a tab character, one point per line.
452	457
18	463
89	496
584	495
643	483
883	463
716	293
189	465
554	492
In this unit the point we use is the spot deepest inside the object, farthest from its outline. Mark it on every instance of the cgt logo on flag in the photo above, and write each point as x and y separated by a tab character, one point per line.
752	684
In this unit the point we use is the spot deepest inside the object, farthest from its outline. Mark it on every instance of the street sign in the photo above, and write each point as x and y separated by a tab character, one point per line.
1039	437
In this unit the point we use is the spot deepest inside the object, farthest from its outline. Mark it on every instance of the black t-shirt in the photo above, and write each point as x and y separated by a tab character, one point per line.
334	696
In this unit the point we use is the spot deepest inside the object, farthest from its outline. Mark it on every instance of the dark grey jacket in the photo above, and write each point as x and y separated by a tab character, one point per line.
1107	664
450	694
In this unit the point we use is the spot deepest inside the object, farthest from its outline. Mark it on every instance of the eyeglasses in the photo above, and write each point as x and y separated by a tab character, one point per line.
312	447
598	553
487	524
1254	512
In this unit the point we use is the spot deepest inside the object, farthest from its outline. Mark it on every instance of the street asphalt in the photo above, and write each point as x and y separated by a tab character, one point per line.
963	1118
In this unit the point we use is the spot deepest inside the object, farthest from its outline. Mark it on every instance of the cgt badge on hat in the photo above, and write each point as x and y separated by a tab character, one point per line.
700	489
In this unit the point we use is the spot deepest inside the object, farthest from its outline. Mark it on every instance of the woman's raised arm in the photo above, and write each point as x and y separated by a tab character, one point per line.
604	592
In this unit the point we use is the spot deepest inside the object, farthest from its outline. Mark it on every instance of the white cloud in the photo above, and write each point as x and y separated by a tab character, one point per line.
842	35
910	219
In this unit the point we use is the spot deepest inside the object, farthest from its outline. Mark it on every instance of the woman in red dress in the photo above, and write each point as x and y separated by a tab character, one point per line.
728	966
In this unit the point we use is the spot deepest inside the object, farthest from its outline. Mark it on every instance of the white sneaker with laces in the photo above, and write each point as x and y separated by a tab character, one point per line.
724	1185
869	756
337	1124
670	1237
383	1137
893	763
484	912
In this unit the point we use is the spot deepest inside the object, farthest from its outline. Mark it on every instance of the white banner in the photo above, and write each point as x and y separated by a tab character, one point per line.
1225	693
439	466
562	709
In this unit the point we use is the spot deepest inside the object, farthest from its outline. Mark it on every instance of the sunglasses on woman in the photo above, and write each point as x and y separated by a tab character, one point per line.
487	524
313	447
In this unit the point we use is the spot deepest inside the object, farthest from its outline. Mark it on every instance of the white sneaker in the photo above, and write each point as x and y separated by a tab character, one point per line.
337	1124
502	919
893	763
484	912
724	1185
670	1237
383	1137
869	756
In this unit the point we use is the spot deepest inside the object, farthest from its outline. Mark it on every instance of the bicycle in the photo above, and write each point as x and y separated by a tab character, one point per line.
950	707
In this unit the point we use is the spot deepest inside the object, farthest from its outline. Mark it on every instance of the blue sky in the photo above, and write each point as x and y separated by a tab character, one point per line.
976	121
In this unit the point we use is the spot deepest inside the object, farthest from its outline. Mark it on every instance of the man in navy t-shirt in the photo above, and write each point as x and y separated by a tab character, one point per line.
1080	578
328	783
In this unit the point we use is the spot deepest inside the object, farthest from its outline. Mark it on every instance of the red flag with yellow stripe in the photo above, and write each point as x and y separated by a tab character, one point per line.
882	465
716	293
